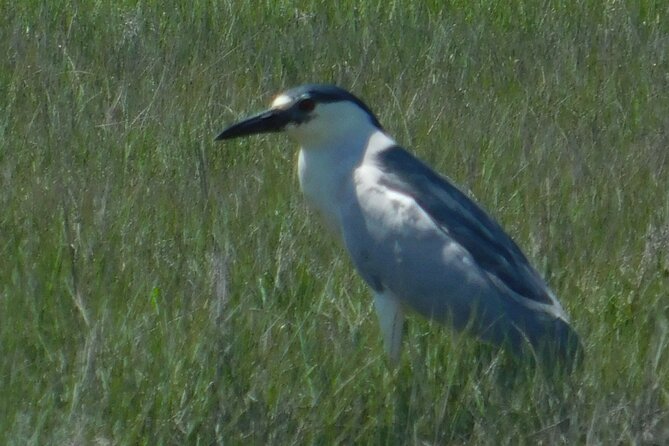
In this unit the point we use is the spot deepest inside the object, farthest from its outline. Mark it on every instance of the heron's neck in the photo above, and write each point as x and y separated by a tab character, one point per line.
326	172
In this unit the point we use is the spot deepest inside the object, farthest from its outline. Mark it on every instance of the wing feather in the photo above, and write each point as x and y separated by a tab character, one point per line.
464	221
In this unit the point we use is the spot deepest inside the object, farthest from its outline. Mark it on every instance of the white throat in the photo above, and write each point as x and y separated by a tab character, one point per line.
326	173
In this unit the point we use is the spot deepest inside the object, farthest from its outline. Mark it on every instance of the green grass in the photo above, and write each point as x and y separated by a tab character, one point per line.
159	288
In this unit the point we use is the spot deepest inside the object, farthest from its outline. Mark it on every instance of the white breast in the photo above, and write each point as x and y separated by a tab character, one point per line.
327	173
322	180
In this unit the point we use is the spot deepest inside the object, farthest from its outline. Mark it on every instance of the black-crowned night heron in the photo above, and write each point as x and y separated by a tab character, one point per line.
416	239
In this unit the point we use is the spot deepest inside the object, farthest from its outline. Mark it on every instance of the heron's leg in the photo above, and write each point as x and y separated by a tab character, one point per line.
391	319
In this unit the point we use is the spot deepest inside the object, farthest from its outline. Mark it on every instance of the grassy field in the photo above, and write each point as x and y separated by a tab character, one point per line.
159	288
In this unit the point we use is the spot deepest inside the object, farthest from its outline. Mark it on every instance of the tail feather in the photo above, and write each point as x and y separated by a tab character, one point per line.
556	344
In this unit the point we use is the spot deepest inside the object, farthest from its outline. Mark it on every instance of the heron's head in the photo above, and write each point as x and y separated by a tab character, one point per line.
313	115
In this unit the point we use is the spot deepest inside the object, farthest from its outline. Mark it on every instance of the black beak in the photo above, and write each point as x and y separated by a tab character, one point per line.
270	121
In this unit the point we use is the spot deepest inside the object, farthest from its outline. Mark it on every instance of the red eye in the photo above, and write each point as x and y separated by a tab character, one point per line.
306	105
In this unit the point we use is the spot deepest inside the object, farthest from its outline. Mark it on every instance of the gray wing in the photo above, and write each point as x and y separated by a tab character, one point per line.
465	222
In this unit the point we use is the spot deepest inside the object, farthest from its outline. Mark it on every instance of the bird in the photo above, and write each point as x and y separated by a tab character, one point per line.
418	241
